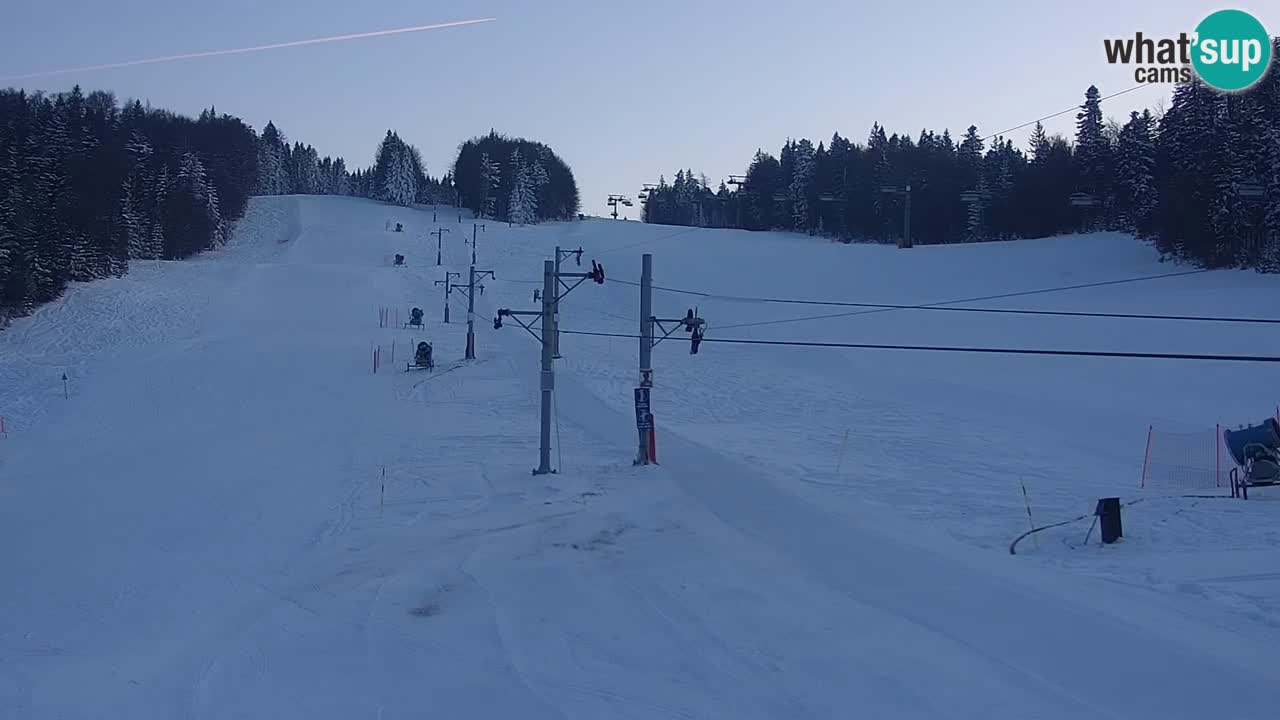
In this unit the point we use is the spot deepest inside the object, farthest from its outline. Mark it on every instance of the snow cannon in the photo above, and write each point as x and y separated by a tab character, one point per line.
399	259
1246	441
415	318
422	359
1256	451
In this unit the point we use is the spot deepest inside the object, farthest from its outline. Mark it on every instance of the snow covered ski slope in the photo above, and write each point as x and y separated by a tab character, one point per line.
225	513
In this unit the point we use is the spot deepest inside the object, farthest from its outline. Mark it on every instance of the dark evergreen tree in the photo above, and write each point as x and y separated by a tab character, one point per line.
87	185
764	182
1039	143
483	178
1094	158
1202	181
833	178
801	192
1135	174
490	177
970	157
522	202
272	178
1184	176
883	207
393	177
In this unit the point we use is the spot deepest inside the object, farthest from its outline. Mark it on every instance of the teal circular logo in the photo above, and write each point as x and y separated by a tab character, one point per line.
1232	50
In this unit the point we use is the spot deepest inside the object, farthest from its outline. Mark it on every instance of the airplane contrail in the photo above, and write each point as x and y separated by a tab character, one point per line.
273	46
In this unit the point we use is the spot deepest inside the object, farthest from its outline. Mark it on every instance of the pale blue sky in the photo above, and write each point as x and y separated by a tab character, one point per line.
624	91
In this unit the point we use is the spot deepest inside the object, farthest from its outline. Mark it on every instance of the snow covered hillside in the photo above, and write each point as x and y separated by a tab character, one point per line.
224	512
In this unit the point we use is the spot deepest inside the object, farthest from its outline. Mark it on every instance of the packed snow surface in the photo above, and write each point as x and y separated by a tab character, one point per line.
224	512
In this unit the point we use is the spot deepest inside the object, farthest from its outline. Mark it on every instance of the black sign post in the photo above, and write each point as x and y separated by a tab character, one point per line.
644	418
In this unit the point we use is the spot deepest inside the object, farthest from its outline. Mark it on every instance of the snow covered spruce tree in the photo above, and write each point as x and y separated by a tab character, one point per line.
87	185
802	184
1135	173
999	167
193	222
394	179
539	181
490	179
283	169
1184	174
272	176
970	158
488	186
305	170
764	181
687	201
1094	157
522	205
881	175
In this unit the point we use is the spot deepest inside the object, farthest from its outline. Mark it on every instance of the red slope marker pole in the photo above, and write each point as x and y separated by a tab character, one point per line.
1146	456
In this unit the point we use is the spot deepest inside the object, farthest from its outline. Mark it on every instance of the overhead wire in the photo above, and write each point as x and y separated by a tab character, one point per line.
928	306
961	349
1019	293
648	241
945	305
1060	113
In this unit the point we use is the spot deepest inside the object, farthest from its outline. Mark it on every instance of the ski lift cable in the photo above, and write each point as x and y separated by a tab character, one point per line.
1062	112
961	349
946	305
648	241
1001	296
